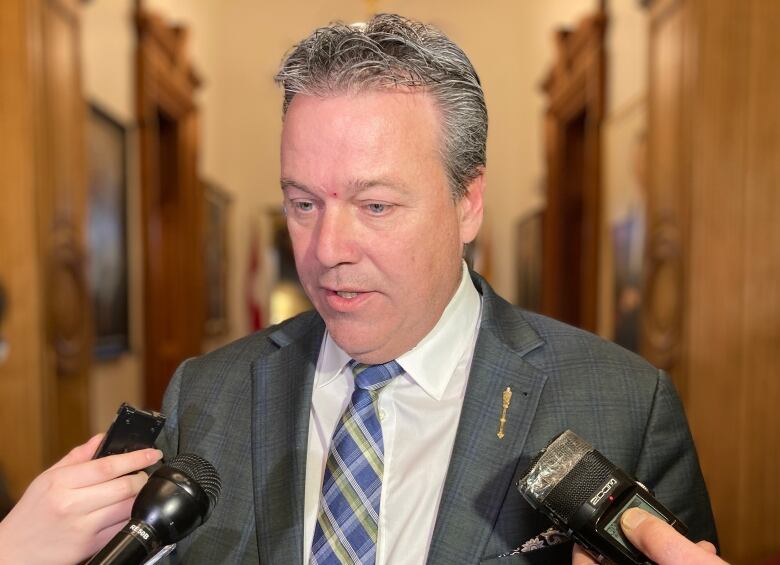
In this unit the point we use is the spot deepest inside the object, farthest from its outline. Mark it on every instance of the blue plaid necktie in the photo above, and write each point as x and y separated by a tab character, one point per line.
348	518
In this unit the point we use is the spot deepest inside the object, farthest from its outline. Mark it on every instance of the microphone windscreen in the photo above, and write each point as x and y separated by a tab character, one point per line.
554	463
200	471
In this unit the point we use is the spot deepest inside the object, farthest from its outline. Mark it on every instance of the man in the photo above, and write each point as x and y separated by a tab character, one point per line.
383	174
389	425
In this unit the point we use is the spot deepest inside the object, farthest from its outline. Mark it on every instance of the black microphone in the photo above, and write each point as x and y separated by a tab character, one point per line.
177	498
584	494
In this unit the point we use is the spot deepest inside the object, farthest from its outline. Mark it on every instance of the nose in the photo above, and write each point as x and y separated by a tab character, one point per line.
336	241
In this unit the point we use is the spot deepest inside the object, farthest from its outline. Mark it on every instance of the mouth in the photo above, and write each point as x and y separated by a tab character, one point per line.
347	294
346	300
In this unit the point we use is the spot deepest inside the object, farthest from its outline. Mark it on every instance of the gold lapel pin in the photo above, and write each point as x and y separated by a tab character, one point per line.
506	398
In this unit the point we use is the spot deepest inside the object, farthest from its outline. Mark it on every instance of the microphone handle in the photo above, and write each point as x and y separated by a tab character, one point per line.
127	547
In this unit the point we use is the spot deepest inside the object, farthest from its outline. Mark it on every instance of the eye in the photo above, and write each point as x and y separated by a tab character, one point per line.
300	207
378	208
303	205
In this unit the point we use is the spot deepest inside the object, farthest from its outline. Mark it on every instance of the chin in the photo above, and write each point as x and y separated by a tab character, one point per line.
357	344
354	345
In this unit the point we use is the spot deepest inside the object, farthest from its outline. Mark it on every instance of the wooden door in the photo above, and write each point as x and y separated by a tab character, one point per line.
171	203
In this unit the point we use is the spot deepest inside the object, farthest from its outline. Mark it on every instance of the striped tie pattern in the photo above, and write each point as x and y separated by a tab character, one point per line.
348	518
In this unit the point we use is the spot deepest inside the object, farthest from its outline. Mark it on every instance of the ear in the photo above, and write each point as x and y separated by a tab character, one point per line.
470	208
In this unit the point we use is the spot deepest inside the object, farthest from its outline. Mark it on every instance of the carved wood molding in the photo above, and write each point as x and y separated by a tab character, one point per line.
663	314
171	41
69	323
571	81
165	66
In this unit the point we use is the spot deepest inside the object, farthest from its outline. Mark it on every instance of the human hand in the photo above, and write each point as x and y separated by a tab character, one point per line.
73	508
659	541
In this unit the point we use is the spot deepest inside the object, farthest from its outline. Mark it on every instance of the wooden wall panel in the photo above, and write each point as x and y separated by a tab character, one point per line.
21	406
716	381
722	140
43	383
759	504
62	204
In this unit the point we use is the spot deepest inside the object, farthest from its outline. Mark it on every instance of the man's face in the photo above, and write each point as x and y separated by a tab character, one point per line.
376	235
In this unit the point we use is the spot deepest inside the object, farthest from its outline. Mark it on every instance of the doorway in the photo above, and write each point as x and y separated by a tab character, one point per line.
172	202
575	104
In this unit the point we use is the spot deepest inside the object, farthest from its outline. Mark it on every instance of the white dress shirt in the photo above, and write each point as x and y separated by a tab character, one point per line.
419	412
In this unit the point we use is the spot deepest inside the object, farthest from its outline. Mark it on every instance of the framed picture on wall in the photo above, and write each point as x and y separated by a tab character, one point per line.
217	205
107	232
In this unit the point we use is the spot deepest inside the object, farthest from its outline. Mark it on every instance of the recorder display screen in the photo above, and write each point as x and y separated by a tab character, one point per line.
613	526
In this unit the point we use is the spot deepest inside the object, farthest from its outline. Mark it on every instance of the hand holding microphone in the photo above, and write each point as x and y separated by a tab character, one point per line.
72	509
601	507
178	498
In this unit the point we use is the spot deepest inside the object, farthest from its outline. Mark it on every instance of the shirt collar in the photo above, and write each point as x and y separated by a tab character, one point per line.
432	362
332	361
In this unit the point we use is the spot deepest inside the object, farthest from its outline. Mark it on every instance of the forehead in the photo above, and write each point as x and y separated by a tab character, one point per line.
376	131
388	110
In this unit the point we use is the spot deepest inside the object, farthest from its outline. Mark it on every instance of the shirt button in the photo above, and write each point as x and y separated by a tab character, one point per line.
382	415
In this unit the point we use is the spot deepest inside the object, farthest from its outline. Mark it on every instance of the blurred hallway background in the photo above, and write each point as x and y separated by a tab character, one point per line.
633	181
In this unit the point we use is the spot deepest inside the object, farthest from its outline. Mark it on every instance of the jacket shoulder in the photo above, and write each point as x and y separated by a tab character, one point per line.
236	358
564	344
556	348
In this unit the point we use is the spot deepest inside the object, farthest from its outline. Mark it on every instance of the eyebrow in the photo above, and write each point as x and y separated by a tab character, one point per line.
290	183
358	185
354	186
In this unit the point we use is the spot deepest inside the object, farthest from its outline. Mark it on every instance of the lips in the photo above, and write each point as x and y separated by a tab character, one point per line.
346	300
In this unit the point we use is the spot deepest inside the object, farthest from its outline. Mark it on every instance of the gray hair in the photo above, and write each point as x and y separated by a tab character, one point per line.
390	51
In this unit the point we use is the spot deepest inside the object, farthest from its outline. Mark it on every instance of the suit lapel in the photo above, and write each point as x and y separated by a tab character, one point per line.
282	389
482	465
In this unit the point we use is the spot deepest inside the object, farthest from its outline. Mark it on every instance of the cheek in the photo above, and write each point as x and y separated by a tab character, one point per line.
419	258
300	244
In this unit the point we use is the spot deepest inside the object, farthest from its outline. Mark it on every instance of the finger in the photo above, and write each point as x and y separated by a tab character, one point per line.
660	541
80	453
93	497
107	468
100	539
708	547
581	557
110	516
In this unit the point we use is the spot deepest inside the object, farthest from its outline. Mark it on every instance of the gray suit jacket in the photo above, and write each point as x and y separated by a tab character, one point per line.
245	408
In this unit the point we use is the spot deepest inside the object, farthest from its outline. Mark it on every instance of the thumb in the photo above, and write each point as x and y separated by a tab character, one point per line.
661	542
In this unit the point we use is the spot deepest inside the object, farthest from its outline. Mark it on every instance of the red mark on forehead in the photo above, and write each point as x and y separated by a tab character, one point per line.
335	194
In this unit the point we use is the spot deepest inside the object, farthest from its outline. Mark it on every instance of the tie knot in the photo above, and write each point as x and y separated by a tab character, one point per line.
374	377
